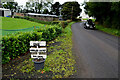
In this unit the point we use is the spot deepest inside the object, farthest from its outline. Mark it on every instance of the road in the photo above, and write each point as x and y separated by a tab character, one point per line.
96	53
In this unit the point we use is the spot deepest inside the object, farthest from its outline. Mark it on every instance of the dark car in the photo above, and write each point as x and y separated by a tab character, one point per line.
89	24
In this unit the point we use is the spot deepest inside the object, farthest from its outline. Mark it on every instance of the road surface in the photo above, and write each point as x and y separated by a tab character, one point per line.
96	53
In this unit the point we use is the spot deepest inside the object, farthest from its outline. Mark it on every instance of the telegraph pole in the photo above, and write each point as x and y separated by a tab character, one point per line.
72	14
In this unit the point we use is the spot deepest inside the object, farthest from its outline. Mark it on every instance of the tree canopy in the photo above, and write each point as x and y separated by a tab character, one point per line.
106	13
71	10
55	8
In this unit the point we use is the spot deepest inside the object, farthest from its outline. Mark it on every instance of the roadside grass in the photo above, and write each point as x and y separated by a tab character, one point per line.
87	19
112	31
84	18
59	61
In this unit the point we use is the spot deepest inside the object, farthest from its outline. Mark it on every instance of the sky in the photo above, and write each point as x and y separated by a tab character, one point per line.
23	2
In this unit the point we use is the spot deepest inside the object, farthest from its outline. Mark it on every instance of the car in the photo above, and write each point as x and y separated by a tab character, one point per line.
89	24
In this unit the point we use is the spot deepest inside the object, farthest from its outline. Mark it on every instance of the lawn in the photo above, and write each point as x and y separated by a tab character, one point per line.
12	25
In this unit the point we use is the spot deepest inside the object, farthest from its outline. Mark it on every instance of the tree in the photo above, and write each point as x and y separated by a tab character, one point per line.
71	10
98	10
40	5
106	13
45	11
28	6
55	8
11	5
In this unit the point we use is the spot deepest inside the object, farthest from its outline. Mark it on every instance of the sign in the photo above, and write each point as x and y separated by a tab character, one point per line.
38	49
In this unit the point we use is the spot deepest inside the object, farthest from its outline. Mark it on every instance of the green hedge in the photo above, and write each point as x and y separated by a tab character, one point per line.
18	44
34	20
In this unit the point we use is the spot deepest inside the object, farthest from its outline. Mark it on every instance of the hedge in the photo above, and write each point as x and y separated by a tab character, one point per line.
34	20
18	44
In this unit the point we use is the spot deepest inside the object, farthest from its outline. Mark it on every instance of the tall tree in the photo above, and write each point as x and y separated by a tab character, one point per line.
45	11
55	8
70	10
28	6
106	13
40	5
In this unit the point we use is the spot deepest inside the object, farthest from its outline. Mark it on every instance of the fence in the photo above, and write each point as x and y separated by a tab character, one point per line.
5	31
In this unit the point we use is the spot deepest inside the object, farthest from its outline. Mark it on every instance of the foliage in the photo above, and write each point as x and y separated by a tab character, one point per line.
115	32
33	20
62	23
70	9
28	66
17	44
28	6
55	8
11	5
60	61
104	12
45	11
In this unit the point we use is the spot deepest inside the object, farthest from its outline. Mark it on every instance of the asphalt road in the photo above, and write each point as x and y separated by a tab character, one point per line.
96	53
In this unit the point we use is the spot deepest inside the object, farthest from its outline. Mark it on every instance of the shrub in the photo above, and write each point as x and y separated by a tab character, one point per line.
19	17
63	24
34	20
68	21
18	44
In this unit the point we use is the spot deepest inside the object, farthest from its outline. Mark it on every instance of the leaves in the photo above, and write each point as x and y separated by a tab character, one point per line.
14	46
61	62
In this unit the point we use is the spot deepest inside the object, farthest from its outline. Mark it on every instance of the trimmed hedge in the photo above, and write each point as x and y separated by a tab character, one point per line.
34	20
18	44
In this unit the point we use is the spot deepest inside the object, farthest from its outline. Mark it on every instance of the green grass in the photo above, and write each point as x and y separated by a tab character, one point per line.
84	18
61	61
16	24
13	23
91	19
112	31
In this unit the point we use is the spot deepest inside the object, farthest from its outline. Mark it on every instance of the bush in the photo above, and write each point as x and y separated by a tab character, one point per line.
18	44
34	20
19	17
68	21
63	24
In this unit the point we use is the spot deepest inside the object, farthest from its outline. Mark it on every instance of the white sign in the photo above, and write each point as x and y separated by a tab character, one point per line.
38	56
44	50
37	43
37	52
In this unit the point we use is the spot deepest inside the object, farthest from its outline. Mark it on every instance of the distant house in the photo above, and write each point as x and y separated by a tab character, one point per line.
43	17
5	12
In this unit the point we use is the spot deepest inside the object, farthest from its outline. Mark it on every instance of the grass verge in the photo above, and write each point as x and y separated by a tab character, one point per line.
61	61
112	31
